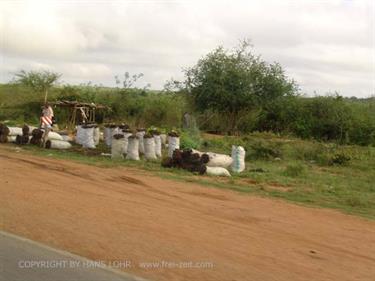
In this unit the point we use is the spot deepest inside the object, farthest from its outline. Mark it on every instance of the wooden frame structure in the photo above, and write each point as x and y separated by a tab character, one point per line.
79	112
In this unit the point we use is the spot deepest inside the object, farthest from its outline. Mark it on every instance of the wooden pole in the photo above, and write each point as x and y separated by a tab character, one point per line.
45	96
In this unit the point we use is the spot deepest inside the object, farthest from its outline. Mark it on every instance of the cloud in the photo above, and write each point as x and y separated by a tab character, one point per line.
324	45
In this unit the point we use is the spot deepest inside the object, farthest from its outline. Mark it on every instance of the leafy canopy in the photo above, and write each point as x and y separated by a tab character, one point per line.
39	81
231	82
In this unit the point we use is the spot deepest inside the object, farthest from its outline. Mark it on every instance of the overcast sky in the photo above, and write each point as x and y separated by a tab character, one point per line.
325	46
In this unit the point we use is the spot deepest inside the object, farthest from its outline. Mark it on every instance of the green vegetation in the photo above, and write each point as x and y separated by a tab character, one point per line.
234	83
330	118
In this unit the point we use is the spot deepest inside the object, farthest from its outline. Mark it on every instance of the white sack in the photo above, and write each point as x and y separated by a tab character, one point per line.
14	131
66	138
157	140
88	138
115	131
173	143
107	136
117	148
149	146
96	135
163	138
59	144
238	156
133	149
217	171
126	136
219	160
12	138
140	137
54	136
79	135
197	151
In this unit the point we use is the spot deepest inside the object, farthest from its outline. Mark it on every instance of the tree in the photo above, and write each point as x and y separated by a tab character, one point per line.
39	81
233	82
129	82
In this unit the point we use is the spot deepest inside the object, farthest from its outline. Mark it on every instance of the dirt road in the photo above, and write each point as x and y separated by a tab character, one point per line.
121	214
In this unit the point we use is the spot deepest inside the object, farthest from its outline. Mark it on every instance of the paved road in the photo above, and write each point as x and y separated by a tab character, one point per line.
17	255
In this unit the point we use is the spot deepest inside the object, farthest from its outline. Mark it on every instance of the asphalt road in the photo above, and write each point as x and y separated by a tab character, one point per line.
25	260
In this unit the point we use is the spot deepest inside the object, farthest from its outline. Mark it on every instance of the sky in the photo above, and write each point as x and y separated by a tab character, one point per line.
325	46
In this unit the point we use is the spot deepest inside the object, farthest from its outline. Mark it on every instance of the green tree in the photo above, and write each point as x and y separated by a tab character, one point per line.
39	81
232	83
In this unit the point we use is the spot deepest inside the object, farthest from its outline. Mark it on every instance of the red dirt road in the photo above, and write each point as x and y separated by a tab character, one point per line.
124	214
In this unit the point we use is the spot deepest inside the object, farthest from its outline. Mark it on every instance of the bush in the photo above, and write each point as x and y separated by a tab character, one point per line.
191	137
189	141
333	157
340	158
263	150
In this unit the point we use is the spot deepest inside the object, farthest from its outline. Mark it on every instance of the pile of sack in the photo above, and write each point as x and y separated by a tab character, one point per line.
124	142
187	160
9	134
54	140
112	129
29	134
57	141
192	161
207	162
15	134
88	135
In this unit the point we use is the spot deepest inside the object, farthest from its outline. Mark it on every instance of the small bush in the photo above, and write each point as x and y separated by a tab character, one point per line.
188	141
191	138
340	158
333	157
294	170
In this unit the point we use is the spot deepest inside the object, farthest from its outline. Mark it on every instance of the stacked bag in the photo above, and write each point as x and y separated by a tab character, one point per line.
87	135
9	134
123	142
191	161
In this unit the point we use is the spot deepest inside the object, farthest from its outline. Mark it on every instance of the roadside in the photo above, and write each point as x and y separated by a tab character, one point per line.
125	214
347	188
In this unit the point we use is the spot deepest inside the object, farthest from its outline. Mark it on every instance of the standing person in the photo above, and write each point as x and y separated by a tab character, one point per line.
46	121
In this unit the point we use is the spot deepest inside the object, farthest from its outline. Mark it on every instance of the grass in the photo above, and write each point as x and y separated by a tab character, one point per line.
301	173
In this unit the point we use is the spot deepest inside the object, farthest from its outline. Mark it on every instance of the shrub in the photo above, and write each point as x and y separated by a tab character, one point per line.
340	158
334	157
188	141
263	150
191	138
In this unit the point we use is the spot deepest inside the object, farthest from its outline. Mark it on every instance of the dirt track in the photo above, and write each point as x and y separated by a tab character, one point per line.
125	214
